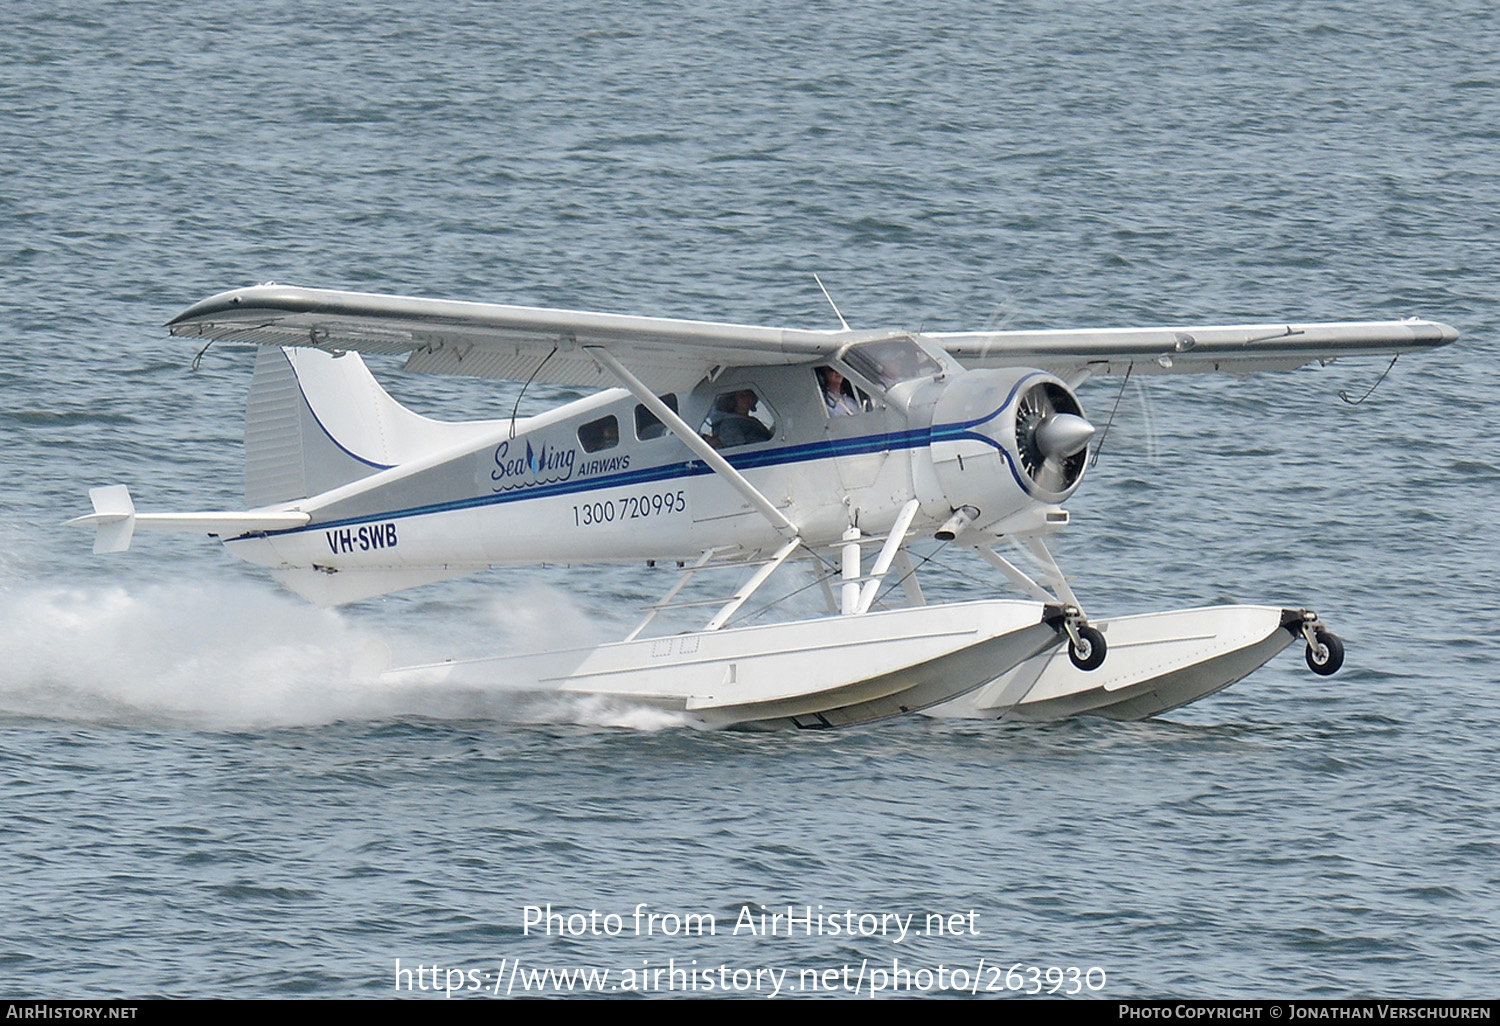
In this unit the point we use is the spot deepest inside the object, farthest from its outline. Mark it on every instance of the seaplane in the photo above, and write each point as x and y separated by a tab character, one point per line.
710	448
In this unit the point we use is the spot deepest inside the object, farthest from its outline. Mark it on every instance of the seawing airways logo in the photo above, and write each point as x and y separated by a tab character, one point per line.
547	465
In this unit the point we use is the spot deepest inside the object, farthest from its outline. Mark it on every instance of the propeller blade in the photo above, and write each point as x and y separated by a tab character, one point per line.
1052	475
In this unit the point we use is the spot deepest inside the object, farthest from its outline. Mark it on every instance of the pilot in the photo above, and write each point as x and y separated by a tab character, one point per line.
731	422
838	394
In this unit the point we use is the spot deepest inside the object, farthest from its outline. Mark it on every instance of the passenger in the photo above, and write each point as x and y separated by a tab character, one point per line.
731	422
838	394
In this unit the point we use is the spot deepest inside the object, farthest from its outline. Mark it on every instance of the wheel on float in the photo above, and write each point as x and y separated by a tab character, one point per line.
1090	655
1327	655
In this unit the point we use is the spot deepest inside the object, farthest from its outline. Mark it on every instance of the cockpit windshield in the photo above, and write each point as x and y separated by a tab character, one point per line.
888	361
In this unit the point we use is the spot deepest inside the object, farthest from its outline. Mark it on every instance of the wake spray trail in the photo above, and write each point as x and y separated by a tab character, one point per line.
234	656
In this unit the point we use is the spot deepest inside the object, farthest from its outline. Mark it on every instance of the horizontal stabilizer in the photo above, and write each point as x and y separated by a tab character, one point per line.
116	520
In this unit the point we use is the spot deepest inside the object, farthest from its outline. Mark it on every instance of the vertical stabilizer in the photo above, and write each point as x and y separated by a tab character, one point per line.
114	518
315	421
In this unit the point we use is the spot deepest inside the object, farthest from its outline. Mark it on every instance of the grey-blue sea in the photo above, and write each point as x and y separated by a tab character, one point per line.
196	801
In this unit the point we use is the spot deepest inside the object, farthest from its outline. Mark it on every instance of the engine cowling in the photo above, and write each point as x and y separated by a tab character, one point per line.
1004	439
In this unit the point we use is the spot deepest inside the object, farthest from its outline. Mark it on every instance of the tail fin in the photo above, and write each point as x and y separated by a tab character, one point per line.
113	517
316	421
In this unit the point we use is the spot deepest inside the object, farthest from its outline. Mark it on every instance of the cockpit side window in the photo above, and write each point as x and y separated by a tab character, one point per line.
738	418
647	426
889	361
603	433
840	397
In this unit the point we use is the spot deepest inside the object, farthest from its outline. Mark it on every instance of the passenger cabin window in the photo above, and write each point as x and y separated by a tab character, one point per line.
890	361
738	418
647	426
603	433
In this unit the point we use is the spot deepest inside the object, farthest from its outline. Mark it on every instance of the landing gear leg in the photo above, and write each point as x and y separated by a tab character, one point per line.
1086	646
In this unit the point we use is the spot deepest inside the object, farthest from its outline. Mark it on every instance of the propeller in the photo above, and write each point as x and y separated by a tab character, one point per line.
1052	436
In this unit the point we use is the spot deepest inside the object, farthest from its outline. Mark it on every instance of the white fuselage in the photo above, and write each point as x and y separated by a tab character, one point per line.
600	479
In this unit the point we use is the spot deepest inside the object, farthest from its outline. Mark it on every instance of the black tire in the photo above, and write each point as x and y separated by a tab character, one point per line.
1333	654
1094	648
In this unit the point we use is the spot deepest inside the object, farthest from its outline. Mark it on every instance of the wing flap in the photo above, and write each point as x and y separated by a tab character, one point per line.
571	368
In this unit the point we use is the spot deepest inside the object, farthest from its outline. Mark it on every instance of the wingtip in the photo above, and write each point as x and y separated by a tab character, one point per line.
1434	333
215	304
265	294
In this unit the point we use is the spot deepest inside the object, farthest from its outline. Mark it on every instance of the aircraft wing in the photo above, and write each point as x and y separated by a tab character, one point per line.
1231	349
490	340
521	343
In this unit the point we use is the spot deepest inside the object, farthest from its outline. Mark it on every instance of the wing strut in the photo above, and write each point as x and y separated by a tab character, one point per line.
707	453
666	600
748	588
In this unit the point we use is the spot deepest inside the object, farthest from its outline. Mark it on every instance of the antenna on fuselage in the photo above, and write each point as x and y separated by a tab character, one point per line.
524	387
830	301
